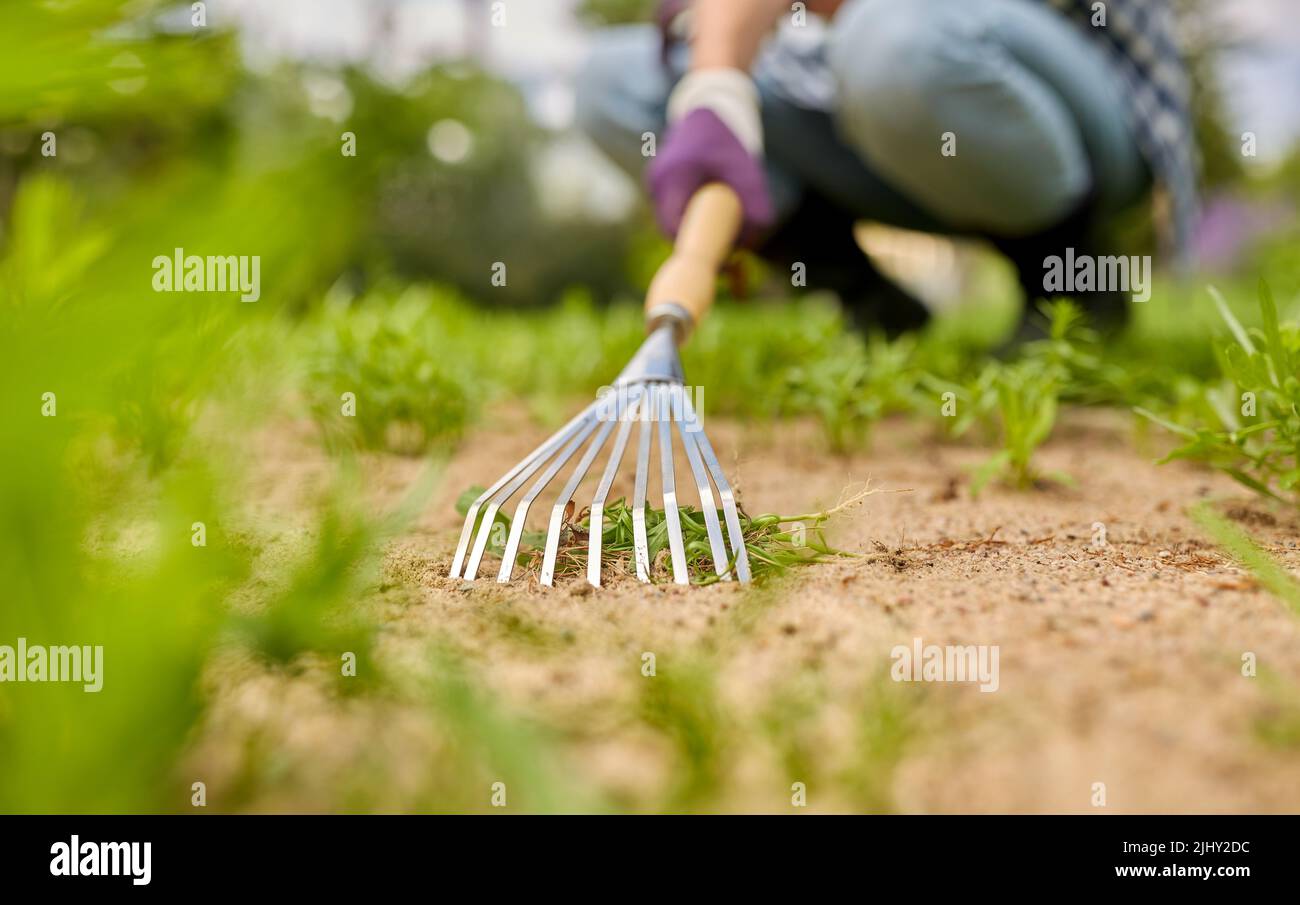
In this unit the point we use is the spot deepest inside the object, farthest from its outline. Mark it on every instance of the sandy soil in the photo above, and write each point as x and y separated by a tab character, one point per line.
1120	656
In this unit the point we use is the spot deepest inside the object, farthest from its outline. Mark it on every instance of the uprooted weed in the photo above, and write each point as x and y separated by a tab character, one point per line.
774	543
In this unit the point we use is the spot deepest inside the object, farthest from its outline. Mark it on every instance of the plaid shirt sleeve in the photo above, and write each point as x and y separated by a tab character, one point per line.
1139	36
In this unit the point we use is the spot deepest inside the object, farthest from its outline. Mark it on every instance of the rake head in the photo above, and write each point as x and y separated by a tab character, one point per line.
648	399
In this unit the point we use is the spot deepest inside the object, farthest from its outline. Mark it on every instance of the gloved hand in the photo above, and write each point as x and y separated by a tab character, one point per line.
715	135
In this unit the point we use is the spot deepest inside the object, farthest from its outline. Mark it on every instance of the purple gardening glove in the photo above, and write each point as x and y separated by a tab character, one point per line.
700	149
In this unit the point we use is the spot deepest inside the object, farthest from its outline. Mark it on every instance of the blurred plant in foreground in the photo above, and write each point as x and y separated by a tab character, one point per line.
1257	404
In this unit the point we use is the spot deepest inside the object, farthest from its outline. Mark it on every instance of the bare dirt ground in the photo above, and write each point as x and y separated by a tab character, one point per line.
1121	633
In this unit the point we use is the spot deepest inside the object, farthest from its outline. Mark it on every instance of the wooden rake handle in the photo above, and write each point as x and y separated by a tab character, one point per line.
705	239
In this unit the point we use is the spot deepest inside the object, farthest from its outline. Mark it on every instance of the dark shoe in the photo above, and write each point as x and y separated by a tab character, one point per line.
819	235
883	305
1077	235
1031	328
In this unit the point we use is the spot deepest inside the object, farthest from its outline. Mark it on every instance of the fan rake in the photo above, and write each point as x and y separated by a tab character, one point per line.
649	399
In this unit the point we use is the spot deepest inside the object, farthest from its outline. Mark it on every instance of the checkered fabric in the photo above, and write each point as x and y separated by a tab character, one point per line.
1138	36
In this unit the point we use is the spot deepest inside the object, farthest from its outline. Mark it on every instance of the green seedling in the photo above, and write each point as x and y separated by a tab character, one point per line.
1029	394
1027	402
376	381
852	385
1256	407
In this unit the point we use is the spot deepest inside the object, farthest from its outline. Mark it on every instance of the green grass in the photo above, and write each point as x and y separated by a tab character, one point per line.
681	703
374	380
1278	725
425	365
789	722
1249	420
889	722
484	742
1267	571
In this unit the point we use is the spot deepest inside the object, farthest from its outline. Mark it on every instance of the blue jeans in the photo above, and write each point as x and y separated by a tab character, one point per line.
1035	109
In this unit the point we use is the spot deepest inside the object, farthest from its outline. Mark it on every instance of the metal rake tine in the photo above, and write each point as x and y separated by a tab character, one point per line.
521	510
508	490
489	514
566	495
640	546
676	545
544	450
734	535
596	522
688	429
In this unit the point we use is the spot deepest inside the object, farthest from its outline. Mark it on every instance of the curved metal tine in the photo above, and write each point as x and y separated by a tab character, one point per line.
734	535
688	428
543	450
566	495
640	546
531	467
521	510
597	520
670	408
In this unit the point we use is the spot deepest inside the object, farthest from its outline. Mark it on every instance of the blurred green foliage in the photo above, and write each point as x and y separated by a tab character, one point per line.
340	165
424	363
682	704
1253	428
616	12
411	399
1265	568
118	525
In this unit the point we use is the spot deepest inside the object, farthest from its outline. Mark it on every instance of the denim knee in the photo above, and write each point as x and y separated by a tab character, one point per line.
621	92
930	99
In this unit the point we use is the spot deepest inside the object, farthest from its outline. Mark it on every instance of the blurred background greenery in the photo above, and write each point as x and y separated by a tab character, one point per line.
126	130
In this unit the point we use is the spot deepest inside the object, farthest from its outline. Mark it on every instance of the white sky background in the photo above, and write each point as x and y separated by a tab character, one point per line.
542	46
540	49
1262	80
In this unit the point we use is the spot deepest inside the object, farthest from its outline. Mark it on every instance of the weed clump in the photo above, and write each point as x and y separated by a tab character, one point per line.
774	543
